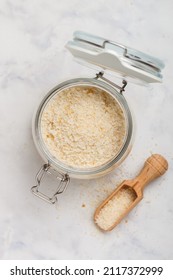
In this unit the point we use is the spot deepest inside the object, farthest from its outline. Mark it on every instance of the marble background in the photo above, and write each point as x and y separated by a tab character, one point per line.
32	61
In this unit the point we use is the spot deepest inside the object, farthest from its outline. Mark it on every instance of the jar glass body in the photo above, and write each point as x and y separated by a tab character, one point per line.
82	173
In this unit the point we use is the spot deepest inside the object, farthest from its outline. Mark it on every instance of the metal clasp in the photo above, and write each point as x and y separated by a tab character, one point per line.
64	181
121	88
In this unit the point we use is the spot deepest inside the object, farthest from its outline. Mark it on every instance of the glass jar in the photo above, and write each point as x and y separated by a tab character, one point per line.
102	54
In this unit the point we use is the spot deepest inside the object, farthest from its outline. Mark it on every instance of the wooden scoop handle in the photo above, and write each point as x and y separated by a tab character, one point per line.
155	166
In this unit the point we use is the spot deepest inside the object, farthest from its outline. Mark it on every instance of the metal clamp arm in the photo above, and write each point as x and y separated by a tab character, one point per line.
63	178
121	88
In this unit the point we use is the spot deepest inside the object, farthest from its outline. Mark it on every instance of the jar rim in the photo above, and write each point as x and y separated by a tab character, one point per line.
62	167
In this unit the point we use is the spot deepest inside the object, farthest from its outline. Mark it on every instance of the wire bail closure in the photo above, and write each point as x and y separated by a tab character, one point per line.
63	184
121	88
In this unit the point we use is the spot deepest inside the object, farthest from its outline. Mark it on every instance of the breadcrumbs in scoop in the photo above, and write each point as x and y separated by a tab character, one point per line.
83	127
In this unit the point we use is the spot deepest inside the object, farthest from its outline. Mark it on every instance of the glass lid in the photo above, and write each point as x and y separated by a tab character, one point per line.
110	56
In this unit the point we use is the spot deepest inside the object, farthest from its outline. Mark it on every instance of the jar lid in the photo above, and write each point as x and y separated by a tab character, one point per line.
111	56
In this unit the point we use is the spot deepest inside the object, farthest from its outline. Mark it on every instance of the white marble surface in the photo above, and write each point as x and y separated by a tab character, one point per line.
32	61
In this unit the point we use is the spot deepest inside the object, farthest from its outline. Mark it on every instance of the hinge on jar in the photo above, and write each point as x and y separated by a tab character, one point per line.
64	181
121	88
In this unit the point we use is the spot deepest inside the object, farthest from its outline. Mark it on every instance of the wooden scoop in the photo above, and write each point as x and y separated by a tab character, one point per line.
128	194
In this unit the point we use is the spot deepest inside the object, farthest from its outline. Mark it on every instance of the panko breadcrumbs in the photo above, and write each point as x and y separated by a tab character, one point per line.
83	127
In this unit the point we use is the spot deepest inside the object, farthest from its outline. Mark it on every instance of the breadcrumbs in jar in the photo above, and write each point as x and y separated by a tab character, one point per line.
83	127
